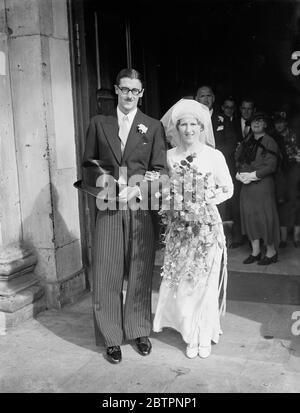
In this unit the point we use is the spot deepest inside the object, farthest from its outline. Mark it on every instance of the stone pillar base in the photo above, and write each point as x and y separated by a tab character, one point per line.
66	291
21	295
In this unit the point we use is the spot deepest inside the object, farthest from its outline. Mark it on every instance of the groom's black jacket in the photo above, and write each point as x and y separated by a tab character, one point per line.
145	149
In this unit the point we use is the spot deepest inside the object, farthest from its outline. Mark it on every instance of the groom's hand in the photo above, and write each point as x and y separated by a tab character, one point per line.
128	193
151	176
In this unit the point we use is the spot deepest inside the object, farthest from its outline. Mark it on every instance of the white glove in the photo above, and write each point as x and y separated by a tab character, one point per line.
238	177
247	177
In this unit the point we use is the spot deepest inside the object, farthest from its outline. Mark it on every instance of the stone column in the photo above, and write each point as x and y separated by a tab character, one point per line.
45	143
21	295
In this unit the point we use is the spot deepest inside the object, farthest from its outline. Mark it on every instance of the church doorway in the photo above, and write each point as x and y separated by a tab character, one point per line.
239	48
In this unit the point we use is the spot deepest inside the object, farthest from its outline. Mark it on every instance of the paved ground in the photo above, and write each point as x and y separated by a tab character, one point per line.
257	353
56	353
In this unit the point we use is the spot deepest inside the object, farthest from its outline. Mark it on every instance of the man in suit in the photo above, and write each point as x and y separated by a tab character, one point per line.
126	145
243	123
225	140
228	108
242	126
225	136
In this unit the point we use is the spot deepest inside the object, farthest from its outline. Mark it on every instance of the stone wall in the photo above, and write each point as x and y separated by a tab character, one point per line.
38	204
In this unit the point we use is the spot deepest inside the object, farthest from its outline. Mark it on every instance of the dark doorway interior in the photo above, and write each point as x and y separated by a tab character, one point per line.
240	48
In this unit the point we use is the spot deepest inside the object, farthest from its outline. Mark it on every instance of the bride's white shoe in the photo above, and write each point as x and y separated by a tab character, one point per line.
192	351
204	351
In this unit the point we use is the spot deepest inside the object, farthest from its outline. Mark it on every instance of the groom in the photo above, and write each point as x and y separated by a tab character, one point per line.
123	246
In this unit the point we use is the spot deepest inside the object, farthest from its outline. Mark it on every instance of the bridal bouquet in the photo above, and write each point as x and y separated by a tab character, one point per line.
190	218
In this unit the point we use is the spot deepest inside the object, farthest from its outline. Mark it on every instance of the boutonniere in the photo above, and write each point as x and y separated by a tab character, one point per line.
220	119
142	128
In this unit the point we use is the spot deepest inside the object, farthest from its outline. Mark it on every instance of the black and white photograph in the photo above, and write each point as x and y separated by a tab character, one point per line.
149	199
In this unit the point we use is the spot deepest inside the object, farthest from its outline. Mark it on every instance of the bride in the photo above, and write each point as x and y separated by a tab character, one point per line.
190	290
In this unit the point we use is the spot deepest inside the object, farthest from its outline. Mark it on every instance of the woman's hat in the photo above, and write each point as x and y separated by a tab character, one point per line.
279	117
189	107
181	109
260	115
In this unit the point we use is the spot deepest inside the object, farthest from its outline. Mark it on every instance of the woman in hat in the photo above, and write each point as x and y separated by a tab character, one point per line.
257	159
192	276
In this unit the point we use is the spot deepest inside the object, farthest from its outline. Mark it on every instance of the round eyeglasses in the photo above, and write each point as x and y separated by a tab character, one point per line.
126	90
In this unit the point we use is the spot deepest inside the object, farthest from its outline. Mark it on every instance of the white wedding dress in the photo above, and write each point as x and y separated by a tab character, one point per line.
194	311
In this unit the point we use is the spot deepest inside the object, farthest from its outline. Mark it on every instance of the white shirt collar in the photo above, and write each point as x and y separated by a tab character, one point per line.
211	111
130	115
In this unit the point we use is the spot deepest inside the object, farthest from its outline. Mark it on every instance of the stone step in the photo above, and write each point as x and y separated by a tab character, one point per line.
264	288
274	284
254	287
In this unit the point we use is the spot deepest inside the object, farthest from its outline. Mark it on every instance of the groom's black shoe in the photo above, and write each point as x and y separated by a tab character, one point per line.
114	354
143	345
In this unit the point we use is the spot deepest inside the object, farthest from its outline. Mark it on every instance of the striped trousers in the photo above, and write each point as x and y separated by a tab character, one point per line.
123	247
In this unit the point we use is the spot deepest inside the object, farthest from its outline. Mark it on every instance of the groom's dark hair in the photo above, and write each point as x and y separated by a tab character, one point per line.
130	73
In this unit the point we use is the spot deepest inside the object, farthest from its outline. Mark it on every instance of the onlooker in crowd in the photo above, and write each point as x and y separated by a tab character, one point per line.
243	124
228	108
257	161
288	182
242	127
226	141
